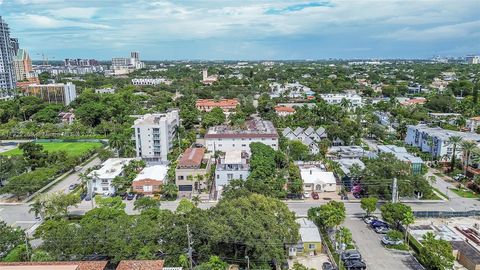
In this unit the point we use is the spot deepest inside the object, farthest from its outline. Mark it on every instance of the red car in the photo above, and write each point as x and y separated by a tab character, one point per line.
315	196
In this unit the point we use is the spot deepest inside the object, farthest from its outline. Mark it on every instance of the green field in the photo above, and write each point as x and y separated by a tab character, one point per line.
72	148
466	193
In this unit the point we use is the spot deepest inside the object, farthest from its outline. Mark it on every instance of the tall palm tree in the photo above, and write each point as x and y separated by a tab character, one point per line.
115	141
467	148
454	140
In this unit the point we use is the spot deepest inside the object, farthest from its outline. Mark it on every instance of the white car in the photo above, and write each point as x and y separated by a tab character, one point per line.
381	230
369	219
306	195
391	242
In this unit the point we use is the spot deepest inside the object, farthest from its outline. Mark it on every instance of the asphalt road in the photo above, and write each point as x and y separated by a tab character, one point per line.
374	254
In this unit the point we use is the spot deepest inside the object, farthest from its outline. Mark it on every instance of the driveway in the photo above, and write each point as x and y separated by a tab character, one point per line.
375	255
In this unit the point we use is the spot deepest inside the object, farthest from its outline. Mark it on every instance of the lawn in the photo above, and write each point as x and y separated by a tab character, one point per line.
72	148
466	193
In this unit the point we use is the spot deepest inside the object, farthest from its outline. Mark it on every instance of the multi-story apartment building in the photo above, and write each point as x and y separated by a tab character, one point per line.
154	135
150	81
23	65
7	72
402	154
473	59
207	105
227	138
434	140
336	99
232	165
192	166
100	181
131	63
80	62
52	93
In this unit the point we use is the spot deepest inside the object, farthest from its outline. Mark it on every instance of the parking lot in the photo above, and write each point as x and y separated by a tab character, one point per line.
374	254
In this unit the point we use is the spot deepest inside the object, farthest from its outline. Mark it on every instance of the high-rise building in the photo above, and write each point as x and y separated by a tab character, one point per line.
52	93
134	55
23	65
473	59
7	73
15	45
127	64
154	135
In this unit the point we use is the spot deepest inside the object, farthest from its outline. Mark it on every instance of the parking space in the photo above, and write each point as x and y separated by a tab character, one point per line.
311	262
374	254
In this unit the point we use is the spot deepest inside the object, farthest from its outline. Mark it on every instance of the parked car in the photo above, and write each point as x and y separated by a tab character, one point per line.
293	196
344	197
72	186
369	219
391	242
122	195
315	196
139	195
459	177
378	223
357	195
306	195
82	196
351	254
89	198
130	196
381	229
327	266
355	265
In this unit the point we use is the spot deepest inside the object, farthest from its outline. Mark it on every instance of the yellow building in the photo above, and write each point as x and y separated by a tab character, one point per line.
310	243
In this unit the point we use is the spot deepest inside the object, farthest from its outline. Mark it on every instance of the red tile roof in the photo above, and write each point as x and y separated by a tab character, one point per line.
82	265
284	109
192	157
415	101
140	265
220	103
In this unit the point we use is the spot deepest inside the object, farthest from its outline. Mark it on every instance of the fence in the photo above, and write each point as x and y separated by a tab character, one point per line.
446	214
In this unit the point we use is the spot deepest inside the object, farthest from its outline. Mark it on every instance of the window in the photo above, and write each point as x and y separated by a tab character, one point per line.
230	176
244	145
233	145
180	177
311	246
105	188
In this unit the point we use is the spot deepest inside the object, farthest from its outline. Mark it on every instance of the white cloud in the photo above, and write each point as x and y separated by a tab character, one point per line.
74	12
44	22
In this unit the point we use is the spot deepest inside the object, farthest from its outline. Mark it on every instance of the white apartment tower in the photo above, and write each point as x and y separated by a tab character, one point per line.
154	135
205	75
7	73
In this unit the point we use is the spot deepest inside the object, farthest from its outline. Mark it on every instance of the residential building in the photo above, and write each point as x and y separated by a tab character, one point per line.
154	135
67	117
80	62
105	91
473	124
61	93
290	90
309	137
414	101
346	164
316	179
192	166
232	165
15	45
23	65
284	111
101	180
354	100
310	243
350	151
150	81
434	140
225	138
141	265
473	59
150	180
226	105
7	71
402	154
127	64
24	84
208	80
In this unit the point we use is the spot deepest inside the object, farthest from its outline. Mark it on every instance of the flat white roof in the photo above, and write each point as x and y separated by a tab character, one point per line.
111	168
308	231
315	175
233	157
156	172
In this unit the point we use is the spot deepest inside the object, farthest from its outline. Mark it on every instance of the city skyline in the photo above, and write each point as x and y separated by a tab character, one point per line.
244	30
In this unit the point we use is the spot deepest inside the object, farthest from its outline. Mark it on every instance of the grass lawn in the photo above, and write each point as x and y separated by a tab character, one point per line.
72	148
466	193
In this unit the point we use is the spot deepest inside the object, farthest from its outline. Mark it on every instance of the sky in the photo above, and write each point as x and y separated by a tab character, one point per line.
244	29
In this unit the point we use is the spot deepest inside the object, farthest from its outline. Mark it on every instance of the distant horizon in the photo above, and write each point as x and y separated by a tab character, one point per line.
247	29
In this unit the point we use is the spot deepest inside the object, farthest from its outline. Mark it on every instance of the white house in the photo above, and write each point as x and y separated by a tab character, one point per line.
316	179
227	138
290	90
150	179
100	181
154	135
336	99
473	123
233	165
309	137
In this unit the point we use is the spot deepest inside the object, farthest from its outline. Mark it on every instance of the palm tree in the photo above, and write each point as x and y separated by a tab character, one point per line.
455	140
115	141
196	200
467	148
37	207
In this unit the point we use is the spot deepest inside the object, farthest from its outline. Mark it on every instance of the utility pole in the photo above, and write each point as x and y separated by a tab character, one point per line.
248	262
190	251
27	250
394	191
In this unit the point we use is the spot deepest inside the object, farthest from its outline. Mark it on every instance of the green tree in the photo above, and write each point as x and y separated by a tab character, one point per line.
395	213
213	117
369	205
328	215
467	147
454	141
299	266
18	254
145	203
344	236
408	219
40	255
436	254
298	151
10	237
214	263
